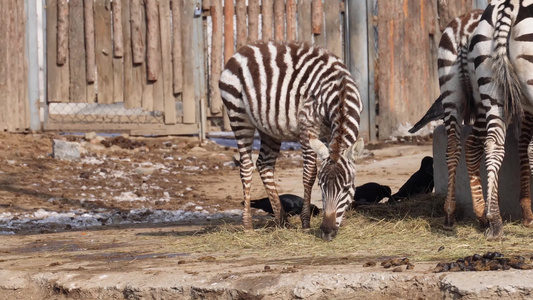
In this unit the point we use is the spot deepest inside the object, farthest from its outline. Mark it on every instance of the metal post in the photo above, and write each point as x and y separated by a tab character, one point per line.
32	55
357	57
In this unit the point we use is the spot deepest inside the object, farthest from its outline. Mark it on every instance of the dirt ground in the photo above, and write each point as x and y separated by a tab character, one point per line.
145	176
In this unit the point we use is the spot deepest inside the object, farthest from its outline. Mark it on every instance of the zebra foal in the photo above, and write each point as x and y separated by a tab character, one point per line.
295	92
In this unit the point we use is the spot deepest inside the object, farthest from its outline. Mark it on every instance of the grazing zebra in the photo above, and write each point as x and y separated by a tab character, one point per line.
501	53
295	92
456	105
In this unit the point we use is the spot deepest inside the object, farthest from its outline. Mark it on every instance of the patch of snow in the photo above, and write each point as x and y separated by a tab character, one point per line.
92	161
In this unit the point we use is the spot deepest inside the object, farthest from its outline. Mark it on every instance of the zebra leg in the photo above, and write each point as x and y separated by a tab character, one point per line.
309	177
453	153
494	152
525	170
245	139
473	155
266	163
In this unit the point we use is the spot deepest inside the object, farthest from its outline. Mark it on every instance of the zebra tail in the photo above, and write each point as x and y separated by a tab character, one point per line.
504	74
435	112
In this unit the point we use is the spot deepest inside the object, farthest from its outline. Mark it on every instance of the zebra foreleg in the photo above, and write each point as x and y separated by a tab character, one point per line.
309	177
265	165
474	155
525	154
453	153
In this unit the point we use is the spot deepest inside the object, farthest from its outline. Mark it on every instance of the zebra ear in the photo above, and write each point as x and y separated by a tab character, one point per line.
320	149
355	150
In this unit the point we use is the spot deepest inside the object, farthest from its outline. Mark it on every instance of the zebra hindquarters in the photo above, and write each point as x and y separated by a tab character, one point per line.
525	155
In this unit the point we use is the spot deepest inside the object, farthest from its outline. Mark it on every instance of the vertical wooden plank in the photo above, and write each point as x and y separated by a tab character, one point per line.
253	21
216	57
318	16
62	32
268	15
372	25
4	87
229	48
22	88
152	37
147	85
77	57
132	71
177	67
189	103
242	29
90	59
118	40
291	20
279	20
333	26
127	55
304	21
199	78
206	4
136	16
104	52
118	78
12	67
32	25
57	75
166	51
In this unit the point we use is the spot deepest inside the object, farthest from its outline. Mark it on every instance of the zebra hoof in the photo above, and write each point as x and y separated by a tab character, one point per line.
494	233
449	224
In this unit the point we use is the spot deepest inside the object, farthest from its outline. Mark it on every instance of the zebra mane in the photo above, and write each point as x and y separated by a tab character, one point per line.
338	143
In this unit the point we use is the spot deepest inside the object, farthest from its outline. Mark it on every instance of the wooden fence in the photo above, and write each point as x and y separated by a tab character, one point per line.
152	66
14	105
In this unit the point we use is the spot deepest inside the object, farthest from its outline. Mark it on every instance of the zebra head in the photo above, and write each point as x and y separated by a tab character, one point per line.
336	179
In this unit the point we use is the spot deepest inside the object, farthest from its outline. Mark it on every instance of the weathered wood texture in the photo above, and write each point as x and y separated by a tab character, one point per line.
216	60
405	80
78	81
448	10
268	19
242	28
62	31
279	20
291	20
304	21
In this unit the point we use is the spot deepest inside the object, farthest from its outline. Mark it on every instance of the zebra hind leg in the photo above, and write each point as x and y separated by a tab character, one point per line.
245	138
309	177
453	153
526	158
474	155
265	165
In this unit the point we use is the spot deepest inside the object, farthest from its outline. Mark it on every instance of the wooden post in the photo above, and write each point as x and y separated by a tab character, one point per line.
216	57
152	37
242	29
253	21
88	12
279	20
291	20
136	31
166	52
176	47
118	40
189	103
318	16
77	57
206	4
304	21
62	32
129	96
104	54
333	30
4	80
268	13
229	48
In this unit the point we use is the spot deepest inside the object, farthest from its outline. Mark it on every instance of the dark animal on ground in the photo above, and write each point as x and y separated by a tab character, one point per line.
371	192
292	205
421	182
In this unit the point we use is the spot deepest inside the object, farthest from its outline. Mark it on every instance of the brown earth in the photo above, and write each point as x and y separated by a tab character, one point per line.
146	173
